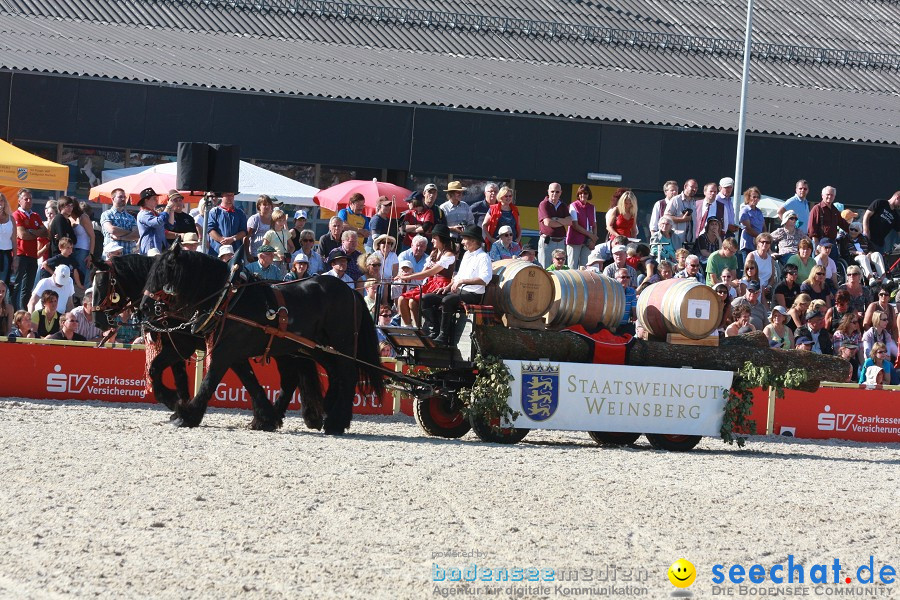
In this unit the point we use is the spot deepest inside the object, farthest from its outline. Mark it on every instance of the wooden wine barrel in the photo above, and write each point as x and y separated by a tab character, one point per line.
586	298
683	306
524	290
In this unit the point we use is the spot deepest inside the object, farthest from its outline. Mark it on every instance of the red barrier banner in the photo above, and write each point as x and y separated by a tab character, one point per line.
865	415
81	371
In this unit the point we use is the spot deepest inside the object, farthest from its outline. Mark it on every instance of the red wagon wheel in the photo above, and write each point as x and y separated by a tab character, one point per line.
440	416
487	431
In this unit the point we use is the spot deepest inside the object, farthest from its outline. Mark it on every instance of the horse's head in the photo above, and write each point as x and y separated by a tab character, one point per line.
180	282
164	279
108	298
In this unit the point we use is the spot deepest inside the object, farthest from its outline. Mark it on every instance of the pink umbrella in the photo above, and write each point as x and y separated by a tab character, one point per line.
335	198
133	184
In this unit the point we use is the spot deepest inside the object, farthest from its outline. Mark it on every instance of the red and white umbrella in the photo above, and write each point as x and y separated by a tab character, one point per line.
335	198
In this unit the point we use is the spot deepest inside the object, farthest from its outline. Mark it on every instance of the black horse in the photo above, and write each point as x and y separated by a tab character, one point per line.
325	310
120	284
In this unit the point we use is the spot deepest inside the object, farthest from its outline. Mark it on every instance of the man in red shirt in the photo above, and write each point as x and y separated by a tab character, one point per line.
29	228
824	218
553	219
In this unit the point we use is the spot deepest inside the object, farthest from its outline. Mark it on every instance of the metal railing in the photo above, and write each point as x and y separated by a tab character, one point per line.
552	29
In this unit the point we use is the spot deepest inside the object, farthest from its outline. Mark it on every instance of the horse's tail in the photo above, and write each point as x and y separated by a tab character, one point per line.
367	351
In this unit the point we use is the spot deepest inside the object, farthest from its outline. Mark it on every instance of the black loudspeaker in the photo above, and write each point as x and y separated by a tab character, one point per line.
206	167
193	166
224	168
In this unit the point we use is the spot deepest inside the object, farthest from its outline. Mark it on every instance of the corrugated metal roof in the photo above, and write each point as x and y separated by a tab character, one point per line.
616	83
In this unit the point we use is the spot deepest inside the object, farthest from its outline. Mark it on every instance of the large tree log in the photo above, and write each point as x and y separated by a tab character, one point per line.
730	355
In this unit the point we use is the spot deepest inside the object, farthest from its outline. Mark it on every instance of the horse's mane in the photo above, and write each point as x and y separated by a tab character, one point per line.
193	275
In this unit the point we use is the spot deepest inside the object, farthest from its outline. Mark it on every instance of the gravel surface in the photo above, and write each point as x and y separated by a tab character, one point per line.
102	500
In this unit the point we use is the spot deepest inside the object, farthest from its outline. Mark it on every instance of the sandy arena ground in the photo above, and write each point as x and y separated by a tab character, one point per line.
110	501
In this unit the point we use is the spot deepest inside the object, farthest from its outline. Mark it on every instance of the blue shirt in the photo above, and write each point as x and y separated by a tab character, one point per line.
272	272
152	230
757	221
498	252
801	207
418	265
226	224
316	263
122	220
630	304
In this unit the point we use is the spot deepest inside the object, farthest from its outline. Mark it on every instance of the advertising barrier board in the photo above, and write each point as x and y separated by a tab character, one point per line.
591	397
865	415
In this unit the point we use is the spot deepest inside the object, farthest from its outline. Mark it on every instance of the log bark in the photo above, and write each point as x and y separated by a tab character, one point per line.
730	355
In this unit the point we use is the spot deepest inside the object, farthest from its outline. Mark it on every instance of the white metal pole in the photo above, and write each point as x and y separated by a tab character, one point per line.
742	120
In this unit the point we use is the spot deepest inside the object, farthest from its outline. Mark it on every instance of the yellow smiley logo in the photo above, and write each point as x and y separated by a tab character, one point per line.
682	573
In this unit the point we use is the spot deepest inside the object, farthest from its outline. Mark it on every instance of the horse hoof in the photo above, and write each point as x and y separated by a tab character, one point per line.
178	421
333	431
174	416
313	423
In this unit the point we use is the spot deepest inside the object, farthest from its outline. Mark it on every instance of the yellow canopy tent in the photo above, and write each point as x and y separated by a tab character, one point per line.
20	169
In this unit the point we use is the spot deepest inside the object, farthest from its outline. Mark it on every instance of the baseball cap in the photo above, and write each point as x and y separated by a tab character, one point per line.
825	242
803	341
62	275
300	214
780	309
753	285
726	182
813	314
111	247
265	248
619	248
848	343
720	285
301	258
430	186
849	215
406	264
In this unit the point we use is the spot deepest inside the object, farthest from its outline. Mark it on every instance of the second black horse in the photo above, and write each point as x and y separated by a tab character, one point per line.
191	285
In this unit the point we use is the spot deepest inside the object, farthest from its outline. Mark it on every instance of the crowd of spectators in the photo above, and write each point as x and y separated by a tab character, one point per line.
817	279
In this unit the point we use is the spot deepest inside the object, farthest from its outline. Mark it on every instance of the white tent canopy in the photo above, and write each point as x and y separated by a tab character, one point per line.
253	181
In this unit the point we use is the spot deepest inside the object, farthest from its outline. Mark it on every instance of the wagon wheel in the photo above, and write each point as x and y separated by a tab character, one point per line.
440	416
672	443
613	438
484	429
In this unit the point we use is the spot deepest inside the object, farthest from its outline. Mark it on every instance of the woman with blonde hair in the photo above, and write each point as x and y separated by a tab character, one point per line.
500	214
797	312
622	218
7	240
878	357
817	287
878	333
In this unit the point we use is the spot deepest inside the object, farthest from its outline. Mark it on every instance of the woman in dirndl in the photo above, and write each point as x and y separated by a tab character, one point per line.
439	271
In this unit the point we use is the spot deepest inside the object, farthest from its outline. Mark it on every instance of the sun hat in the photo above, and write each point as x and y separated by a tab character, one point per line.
300	214
226	249
504	229
619	248
779	308
787	216
406	264
526	249
265	248
454	186
301	258
720	285
726	182
174	195
190	238
872	374
62	275
385	237
153	252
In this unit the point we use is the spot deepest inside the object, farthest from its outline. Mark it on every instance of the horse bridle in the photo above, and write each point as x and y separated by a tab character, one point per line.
113	294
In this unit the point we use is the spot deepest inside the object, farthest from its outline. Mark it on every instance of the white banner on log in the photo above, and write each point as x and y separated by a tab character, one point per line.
590	397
